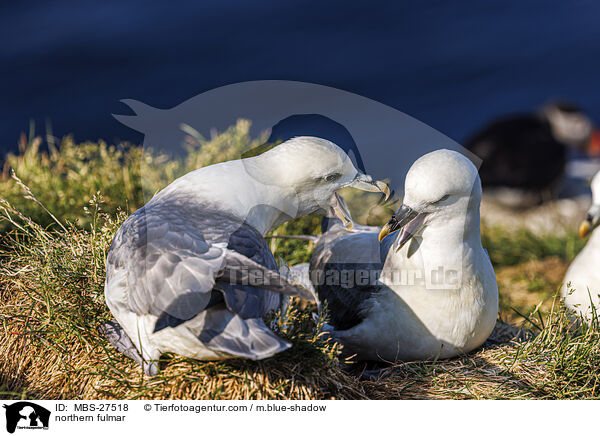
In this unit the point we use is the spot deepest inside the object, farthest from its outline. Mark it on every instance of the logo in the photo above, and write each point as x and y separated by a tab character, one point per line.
26	415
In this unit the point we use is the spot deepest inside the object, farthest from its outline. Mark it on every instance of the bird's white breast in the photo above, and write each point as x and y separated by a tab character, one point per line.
581	285
422	312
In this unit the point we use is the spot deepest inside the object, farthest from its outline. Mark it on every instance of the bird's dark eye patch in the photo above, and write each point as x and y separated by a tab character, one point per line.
445	197
332	177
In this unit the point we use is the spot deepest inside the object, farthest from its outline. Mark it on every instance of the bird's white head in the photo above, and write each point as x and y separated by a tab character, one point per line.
312	170
592	218
440	186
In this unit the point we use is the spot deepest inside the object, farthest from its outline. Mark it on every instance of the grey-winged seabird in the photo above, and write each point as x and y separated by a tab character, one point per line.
428	292
190	272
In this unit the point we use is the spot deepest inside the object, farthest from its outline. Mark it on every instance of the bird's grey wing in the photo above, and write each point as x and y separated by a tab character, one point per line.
241	270
344	271
248	301
223	331
249	281
171	268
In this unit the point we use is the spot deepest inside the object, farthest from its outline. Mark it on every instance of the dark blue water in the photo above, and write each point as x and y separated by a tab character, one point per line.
452	65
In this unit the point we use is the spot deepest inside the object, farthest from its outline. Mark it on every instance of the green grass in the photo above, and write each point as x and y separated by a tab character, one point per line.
66	178
51	299
507	248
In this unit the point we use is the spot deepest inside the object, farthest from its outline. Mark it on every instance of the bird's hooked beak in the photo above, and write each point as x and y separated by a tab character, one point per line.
363	182
406	219
591	221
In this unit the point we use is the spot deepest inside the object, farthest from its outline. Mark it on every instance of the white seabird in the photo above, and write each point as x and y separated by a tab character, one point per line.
581	286
190	272
436	295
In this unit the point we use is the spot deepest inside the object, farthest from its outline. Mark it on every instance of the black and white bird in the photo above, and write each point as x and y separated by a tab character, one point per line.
525	155
581	286
190	272
428	292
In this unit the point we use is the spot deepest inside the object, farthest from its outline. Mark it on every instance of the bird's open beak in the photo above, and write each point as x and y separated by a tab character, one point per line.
341	211
365	182
591	221
406	219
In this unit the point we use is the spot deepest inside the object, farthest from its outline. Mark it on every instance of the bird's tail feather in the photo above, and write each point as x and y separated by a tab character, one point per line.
229	333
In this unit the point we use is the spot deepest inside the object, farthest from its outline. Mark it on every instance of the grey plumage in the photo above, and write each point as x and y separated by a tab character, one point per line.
191	259
112	331
344	269
184	259
228	332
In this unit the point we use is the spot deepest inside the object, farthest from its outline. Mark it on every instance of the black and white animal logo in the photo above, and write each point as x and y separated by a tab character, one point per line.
26	415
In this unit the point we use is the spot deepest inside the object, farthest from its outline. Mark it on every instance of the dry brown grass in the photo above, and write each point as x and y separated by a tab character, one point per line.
85	367
528	286
41	369
51	304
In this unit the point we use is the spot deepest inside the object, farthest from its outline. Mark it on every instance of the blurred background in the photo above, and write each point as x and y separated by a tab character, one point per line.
452	65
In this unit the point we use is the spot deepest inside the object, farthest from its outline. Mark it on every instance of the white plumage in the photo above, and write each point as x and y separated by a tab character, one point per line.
435	297
581	286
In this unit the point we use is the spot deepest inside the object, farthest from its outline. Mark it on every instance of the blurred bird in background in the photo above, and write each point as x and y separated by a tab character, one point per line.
525	156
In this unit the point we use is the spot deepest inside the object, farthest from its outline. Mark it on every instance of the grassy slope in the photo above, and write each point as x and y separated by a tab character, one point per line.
51	301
